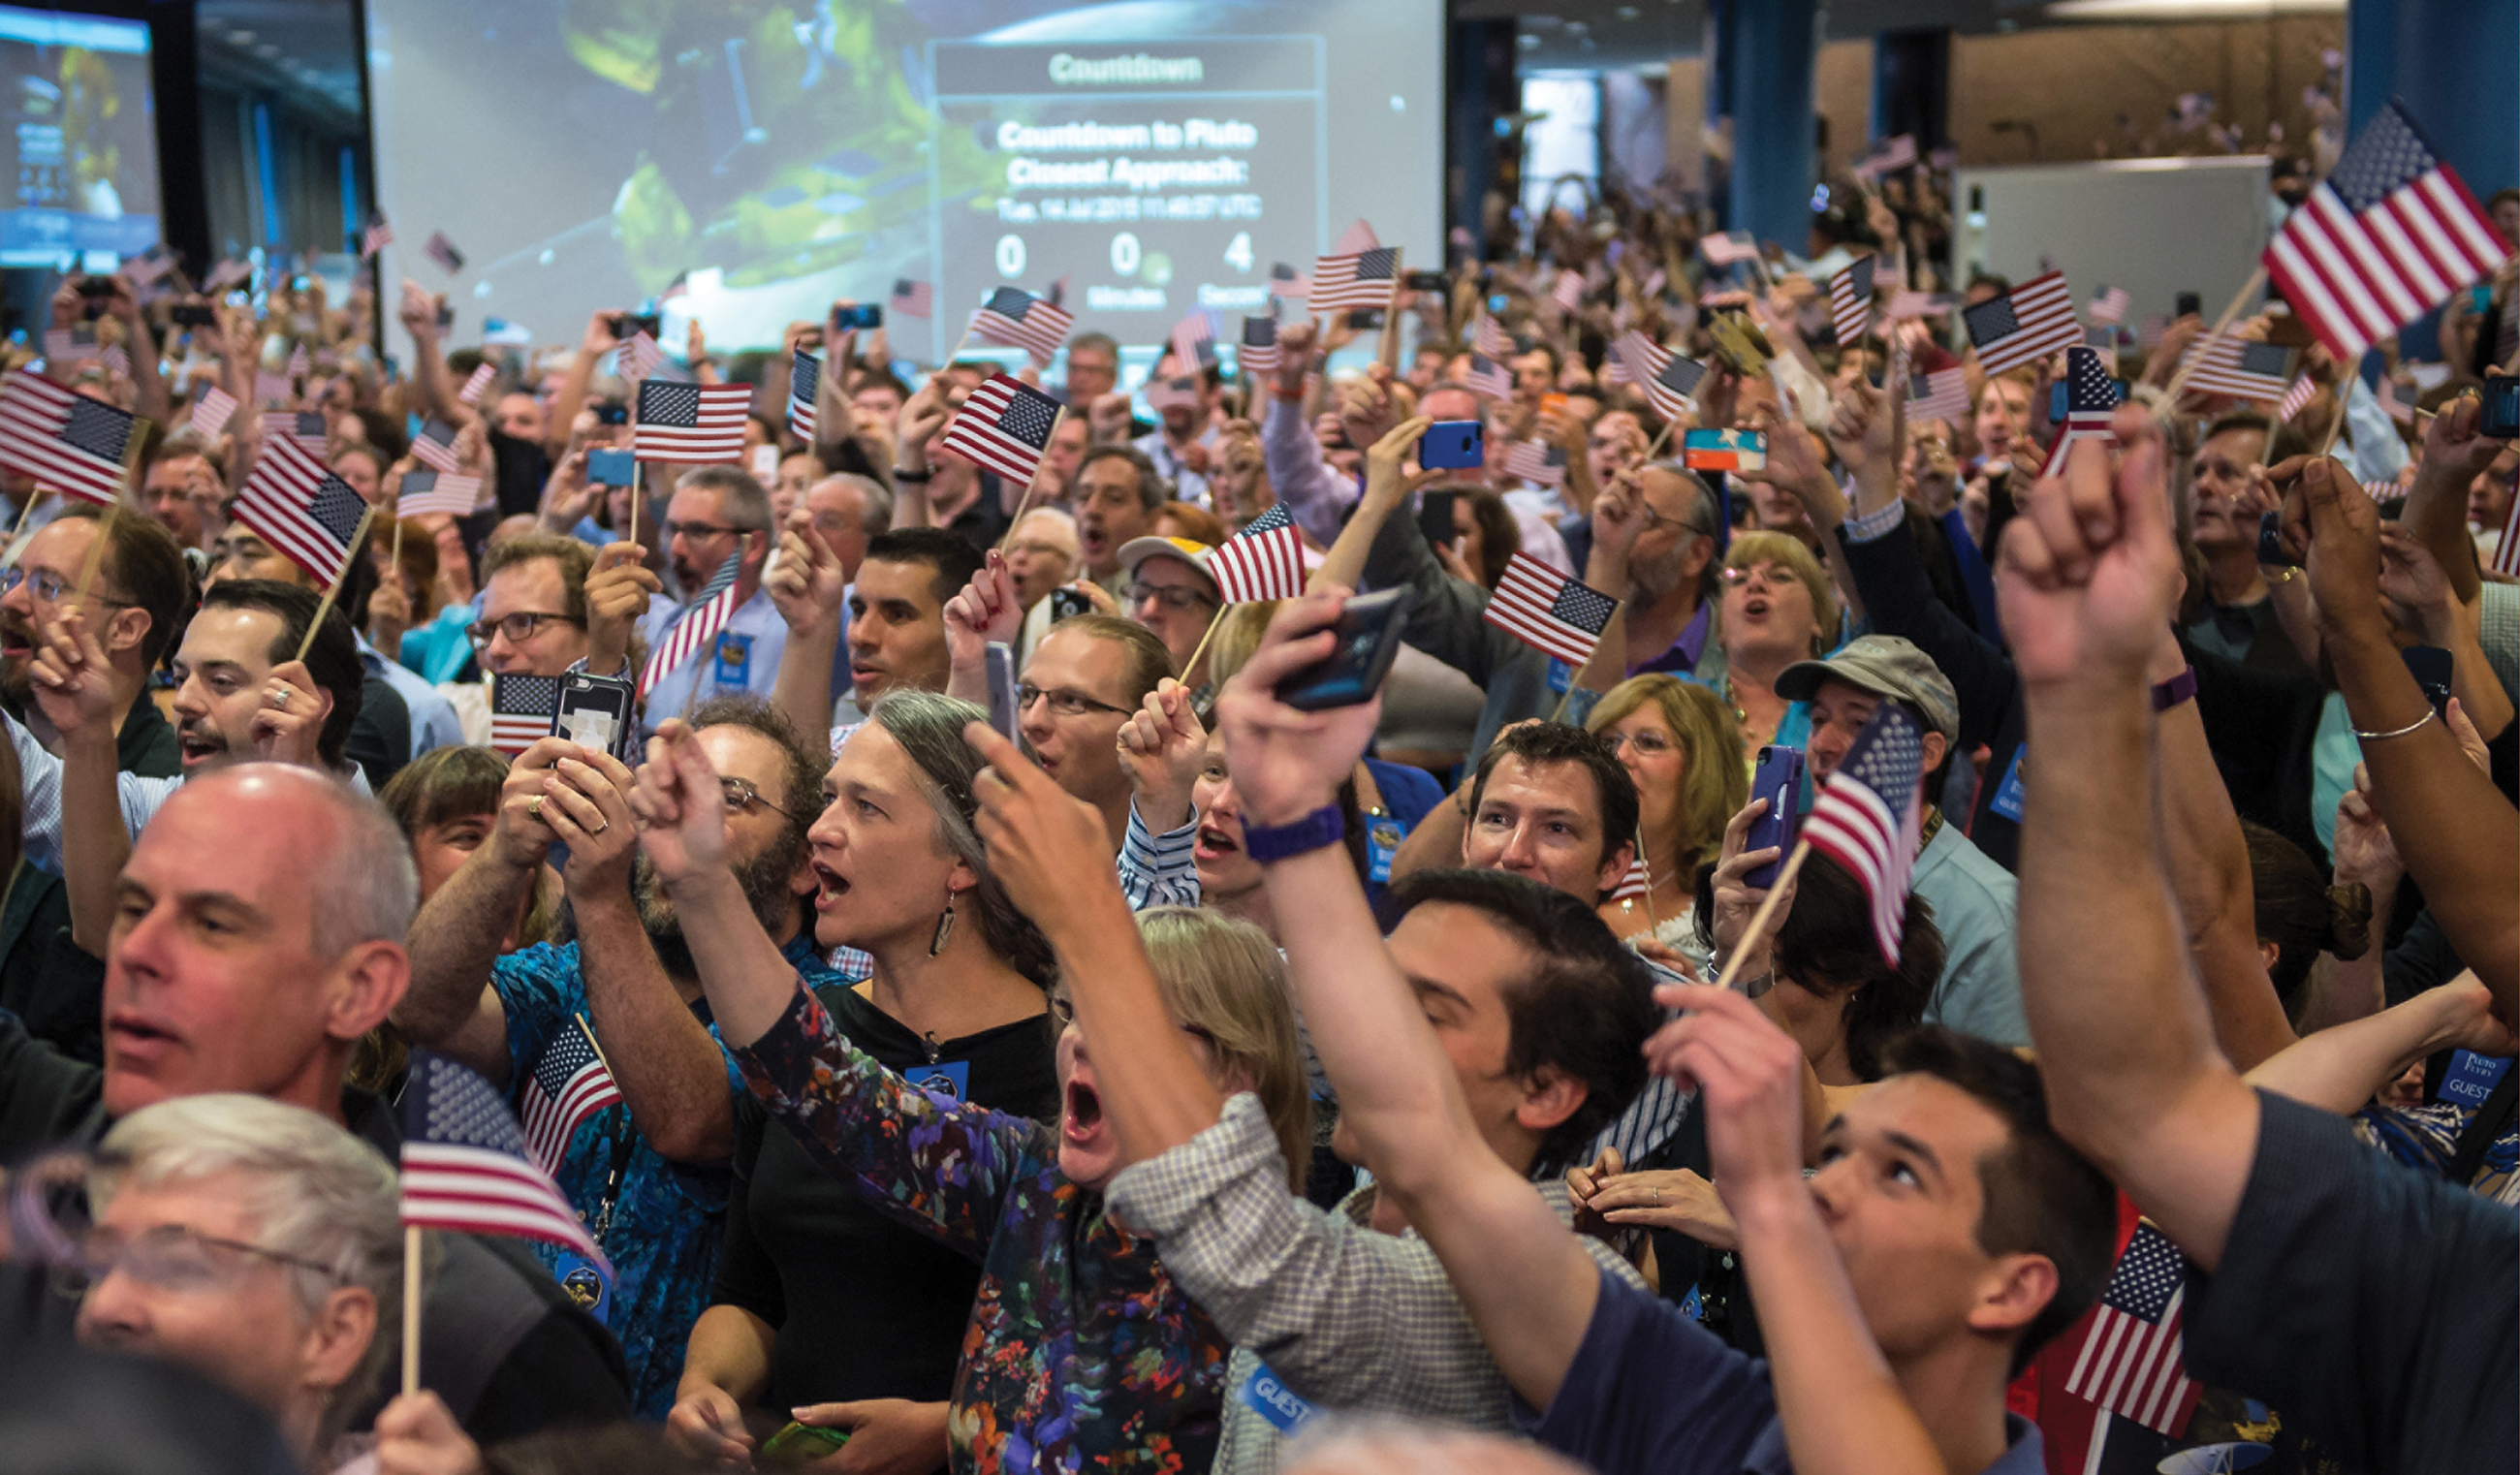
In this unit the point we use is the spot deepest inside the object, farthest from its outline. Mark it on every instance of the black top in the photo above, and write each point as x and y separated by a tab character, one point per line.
45	979
2368	1301
379	740
865	1307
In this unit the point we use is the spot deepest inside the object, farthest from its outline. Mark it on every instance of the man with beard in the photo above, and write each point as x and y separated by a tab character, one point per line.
137	602
1653	543
644	1161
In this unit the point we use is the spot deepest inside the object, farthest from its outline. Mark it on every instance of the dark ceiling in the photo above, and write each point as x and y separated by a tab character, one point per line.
306	49
1594	34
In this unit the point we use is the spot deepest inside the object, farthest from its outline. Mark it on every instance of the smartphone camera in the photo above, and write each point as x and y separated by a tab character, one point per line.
2499	417
612	411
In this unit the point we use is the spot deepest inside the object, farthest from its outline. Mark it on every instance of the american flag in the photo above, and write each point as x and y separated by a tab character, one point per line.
1567	291
2109	305
1358	237
1286	281
1365	280
69	346
305	427
483	376
1637	884
2024	324
639	357
1890	153
1850	301
1014	318
63	439
442	251
465	1166
911	298
696	624
434	445
1669	381
1489	377
690	422
1259	352
298	362
805	382
213	410
148	265
521	711
1614	367
2150	330
2227	364
2388	235
2090	398
1905	303
1005	425
1869	814
302	510
1939	390
2131	1362
1536	460
2297	398
1195	341
1489	337
2390	489
227	274
2507	550
570	1084
422	493
376	238
1179	392
271	388
1551	611
1263	562
1727	246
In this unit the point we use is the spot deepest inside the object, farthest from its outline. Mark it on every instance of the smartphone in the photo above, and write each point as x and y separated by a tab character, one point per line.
1369	639
612	465
598	713
1435	517
863	316
96	286
624	324
1778	780
1453	444
1724	450
2190	305
800	1444
1365	318
2271	549
1495	301
612	411
1552	401
193	315
1003	714
1067	603
2499	416
1423	281
446	315
2431	665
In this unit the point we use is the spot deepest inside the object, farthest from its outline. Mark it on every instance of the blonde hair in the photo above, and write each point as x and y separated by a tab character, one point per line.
1752	549
1224	977
1237	638
1714	780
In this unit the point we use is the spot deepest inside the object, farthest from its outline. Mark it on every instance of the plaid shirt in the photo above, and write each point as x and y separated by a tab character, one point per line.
1346	1317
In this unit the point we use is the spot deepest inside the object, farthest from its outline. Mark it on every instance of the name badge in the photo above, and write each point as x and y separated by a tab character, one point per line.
1560	676
2472	1076
734	664
585	1284
1382	837
2008	794
1285	1409
950	1079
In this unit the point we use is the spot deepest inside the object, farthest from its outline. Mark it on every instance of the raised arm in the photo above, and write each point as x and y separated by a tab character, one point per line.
1528	1286
806	586
1387	484
2088	575
2436	509
2339	1069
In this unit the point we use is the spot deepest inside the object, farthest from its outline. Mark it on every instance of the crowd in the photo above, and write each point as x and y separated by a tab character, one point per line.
1186	1080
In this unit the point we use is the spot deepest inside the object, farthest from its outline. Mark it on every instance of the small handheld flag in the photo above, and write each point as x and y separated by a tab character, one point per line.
804	383
1536	460
2132	1363
2090	398
2227	364
1869	815
1351	283
213	410
66	440
911	298
1259	354
442	251
1005	426
639	357
1850	301
570	1084
2024	324
435	446
1014	318
1551	611
305	511
465	1165
422	493
483	377
690	422
696	625
1263	562
1489	377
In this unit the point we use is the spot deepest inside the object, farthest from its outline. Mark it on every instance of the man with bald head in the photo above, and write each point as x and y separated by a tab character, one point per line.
256	938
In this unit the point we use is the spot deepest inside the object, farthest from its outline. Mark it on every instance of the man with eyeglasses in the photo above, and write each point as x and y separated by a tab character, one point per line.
717	512
648	1174
1170	592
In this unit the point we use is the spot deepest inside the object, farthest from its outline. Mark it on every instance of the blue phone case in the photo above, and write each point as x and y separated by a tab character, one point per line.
1779	781
1453	444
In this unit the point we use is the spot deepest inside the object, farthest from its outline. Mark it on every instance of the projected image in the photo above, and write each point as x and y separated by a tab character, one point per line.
80	137
758	161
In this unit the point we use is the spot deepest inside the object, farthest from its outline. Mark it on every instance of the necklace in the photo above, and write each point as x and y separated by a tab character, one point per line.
1654	883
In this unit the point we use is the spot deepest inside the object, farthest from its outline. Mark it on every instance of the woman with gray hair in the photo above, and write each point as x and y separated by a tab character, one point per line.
254	1242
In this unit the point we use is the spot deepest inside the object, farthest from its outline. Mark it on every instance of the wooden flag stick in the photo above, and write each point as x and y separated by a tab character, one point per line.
1200	648
1024	502
1655	449
1767	912
19	527
2231	310
334	593
411	1252
1388	352
96	549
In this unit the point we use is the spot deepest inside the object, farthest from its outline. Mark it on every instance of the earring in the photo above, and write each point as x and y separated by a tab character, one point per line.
944	927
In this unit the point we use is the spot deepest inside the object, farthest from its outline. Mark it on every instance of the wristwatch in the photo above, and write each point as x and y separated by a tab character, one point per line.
900	473
2169	694
1322	828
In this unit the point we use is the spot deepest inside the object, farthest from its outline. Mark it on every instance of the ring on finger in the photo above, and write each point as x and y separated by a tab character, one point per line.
534	806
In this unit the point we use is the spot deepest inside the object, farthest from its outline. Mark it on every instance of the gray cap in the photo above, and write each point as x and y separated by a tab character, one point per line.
1885	665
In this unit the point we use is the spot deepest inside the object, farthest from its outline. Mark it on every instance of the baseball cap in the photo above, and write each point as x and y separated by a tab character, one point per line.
1885	665
1136	551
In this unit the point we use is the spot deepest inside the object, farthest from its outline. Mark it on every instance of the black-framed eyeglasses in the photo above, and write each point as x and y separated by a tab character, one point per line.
1172	596
50	586
1064	702
743	793
1655	520
172	1257
518	626
698	530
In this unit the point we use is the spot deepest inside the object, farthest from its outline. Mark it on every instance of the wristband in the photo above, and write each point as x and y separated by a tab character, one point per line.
1325	825
901	474
2169	694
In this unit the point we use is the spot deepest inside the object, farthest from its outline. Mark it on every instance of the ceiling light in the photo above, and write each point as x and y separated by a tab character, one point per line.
2188	9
